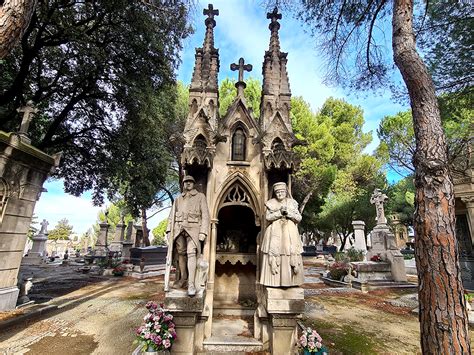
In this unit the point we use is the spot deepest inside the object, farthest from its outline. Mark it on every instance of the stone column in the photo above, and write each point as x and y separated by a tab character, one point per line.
209	300
127	243
284	307
101	244
36	254
359	235
23	170
117	245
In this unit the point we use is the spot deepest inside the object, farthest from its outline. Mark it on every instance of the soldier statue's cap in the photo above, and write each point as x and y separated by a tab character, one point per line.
279	186
189	178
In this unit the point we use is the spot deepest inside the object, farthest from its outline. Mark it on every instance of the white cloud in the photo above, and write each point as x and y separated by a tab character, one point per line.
55	205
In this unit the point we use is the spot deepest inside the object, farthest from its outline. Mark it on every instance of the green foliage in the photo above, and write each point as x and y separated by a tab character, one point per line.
332	156
354	254
141	161
447	39
228	93
62	231
115	213
159	233
33	229
401	200
397	136
338	270
91	68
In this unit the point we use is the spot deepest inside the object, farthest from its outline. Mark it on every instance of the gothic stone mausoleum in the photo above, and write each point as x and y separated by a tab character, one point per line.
235	160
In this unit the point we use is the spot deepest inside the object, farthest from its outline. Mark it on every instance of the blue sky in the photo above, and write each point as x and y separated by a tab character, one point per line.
241	31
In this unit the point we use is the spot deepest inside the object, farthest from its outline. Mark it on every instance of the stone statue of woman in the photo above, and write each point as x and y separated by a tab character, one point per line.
282	264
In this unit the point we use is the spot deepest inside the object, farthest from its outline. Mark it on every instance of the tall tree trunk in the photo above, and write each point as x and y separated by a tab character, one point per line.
443	315
146	239
15	16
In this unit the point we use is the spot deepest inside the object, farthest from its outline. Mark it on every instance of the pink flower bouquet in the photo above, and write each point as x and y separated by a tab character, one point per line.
158	333
311	342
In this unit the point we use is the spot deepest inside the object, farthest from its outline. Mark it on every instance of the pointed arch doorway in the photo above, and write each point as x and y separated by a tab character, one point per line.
236	254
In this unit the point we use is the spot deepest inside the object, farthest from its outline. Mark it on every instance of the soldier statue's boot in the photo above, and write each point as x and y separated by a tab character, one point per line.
191	289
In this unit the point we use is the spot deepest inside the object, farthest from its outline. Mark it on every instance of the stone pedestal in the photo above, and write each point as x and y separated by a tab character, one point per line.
36	254
101	244
187	315
126	246
383	244
23	170
284	307
116	245
359	235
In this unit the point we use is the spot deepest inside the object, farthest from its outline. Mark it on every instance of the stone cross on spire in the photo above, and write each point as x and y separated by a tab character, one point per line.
28	111
210	12
240	85
274	16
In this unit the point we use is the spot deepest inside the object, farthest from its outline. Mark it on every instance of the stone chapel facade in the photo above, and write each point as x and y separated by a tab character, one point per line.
235	160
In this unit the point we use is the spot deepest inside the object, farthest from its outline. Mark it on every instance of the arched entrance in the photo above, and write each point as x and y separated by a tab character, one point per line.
236	259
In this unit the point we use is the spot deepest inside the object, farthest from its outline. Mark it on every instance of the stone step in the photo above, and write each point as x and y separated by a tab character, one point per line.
232	344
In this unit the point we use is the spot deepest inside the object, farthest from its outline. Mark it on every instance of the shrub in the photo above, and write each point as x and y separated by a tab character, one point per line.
338	270
355	255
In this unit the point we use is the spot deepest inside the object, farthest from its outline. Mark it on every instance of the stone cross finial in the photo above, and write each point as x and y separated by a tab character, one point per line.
28	111
241	67
378	199
274	16
44	227
210	12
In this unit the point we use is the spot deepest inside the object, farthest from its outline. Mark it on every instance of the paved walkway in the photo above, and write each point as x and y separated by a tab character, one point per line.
98	318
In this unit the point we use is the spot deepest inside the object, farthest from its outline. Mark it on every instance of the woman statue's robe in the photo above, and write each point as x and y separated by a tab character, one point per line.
282	264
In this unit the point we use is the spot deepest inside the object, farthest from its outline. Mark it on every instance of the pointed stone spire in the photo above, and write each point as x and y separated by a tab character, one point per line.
276	93
274	26
206	65
201	125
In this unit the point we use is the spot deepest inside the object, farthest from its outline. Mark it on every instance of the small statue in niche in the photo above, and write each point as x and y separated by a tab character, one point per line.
282	264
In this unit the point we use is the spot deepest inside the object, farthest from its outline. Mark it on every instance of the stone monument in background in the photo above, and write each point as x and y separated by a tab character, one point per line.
384	266
23	170
37	255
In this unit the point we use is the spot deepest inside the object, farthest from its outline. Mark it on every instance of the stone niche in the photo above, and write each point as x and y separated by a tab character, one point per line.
23	170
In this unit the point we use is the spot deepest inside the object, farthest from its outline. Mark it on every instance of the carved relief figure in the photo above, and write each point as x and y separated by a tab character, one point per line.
282	264
188	225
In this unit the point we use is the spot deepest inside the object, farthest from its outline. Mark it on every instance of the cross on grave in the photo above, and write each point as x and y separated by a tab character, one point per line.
210	12
274	15
241	67
28	111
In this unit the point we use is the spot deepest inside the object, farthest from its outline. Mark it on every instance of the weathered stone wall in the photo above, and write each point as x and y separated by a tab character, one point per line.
23	170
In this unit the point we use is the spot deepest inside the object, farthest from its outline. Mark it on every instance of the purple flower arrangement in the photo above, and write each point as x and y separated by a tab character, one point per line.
158	333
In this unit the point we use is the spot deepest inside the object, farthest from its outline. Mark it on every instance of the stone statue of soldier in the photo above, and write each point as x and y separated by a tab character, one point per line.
188	225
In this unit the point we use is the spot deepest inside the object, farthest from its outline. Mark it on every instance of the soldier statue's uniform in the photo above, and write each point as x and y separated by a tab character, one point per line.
188	225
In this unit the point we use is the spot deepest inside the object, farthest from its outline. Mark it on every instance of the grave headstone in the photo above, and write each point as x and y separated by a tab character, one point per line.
37	254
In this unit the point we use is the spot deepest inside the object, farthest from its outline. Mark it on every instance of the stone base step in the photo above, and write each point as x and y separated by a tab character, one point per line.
232	344
376	285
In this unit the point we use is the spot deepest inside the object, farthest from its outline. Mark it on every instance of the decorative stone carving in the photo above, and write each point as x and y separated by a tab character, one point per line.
378	199
282	264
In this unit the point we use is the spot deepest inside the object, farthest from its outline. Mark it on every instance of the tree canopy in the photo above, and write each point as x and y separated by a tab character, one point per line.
62	230
89	67
397	137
